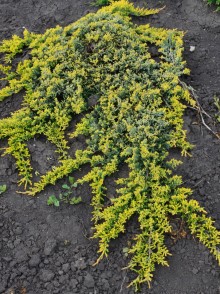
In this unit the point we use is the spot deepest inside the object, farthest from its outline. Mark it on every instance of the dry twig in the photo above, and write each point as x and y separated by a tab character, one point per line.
199	108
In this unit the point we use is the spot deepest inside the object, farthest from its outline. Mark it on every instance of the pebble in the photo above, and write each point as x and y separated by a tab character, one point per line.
105	284
56	284
46	275
79	264
62	279
192	48
89	281
73	283
195	271
46	261
18	231
20	256
35	260
66	267
49	246
17	242
205	279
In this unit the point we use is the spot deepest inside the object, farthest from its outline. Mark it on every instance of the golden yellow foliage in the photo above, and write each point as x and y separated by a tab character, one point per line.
137	119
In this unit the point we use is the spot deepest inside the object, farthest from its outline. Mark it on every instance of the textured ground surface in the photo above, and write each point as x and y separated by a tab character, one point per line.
46	250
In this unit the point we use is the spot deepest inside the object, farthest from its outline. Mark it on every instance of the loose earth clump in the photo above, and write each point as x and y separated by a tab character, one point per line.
150	190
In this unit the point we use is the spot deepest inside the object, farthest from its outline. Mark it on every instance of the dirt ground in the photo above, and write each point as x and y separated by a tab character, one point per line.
47	250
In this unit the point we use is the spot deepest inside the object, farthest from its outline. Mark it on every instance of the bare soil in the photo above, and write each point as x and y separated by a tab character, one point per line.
47	250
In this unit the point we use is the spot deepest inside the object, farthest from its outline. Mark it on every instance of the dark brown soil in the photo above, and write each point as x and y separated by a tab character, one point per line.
47	250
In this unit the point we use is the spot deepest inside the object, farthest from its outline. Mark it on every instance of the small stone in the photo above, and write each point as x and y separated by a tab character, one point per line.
109	274
80	279
105	284
49	246
91	262
101	266
195	271
62	279
206	259
201	262
79	264
89	281
17	242
22	269
73	283
35	250
12	264
35	260
18	231
60	260
21	256
66	267
56	284
32	272
13	276
46	275
10	245
192	48
205	279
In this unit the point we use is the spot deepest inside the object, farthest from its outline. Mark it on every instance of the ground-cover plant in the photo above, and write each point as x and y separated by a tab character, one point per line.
215	2
66	195
3	188
101	2
134	71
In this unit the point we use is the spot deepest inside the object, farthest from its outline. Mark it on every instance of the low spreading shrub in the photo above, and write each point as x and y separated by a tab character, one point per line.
3	188
134	72
101	2
215	2
106	2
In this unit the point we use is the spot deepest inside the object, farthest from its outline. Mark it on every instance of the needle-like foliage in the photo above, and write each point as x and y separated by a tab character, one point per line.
137	119
215	2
